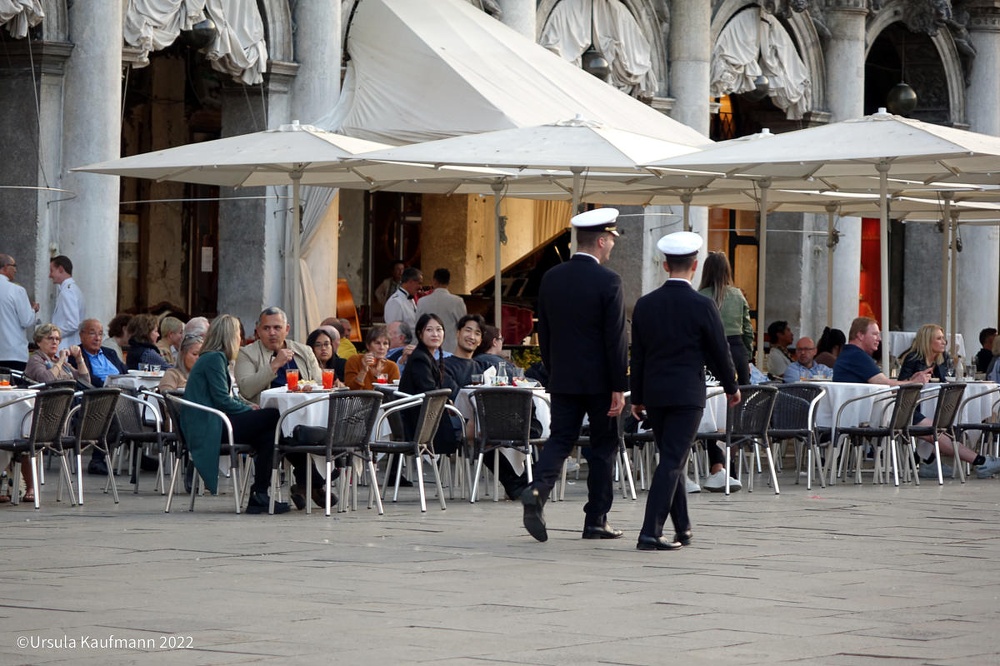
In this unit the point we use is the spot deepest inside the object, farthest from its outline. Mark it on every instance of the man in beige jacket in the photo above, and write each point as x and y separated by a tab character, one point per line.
262	365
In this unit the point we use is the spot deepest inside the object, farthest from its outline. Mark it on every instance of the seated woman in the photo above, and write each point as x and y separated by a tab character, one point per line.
175	379
828	348
928	351
362	370
48	364
323	341
210	383
488	351
142	336
425	372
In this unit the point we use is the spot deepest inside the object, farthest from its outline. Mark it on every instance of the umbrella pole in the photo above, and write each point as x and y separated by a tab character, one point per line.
945	233
298	331
761	271
575	208
883	188
497	187
686	200
831	246
954	282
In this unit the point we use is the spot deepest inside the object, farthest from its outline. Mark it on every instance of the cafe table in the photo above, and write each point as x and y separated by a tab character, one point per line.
136	380
465	403
13	423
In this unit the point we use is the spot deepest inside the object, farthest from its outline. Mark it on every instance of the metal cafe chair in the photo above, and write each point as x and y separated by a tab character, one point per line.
350	421
91	420
747	425
239	473
949	398
503	420
432	408
794	418
48	419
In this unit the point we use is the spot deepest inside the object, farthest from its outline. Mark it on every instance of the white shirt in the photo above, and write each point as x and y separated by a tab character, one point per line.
400	307
450	308
16	317
68	314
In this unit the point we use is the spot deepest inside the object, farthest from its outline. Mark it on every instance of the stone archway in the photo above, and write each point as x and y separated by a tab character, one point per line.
894	11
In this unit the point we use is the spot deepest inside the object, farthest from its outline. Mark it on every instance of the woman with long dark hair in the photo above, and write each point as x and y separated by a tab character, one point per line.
829	345
717	284
424	371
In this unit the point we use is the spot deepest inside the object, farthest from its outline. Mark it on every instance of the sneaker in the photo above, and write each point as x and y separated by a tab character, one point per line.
572	466
691	486
988	468
260	502
716	483
929	471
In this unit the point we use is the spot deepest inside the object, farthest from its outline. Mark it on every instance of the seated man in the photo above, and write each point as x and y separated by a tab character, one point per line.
102	362
855	364
401	343
262	365
985	355
805	366
780	337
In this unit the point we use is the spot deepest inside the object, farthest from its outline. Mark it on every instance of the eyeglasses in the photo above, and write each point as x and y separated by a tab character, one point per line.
53	338
323	345
13	265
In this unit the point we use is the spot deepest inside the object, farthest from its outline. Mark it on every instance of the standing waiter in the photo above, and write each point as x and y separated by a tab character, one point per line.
676	332
581	332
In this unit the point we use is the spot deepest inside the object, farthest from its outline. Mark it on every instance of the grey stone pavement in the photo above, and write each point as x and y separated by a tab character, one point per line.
846	575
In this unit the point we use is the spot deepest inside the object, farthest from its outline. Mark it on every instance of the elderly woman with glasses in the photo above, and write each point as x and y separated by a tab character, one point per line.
175	379
49	364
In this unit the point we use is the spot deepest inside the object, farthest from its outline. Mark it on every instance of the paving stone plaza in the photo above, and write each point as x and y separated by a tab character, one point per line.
842	575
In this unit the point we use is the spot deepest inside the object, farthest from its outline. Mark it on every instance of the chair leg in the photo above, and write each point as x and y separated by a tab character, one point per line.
770	466
373	487
496	476
474	494
434	460
627	470
34	481
420	482
728	461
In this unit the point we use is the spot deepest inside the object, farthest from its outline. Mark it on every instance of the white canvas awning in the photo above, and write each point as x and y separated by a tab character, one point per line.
433	69
19	15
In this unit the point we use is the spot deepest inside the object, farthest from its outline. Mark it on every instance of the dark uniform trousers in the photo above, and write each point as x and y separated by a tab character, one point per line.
567	417
674	429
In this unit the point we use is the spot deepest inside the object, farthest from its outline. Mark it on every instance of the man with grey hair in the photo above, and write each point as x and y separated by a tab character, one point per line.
17	315
196	326
401	343
262	365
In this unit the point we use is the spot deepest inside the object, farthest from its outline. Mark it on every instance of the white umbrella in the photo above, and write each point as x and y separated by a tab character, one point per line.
879	145
577	146
291	154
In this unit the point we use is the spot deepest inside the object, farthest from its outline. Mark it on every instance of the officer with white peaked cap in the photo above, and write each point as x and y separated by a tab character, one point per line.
676	332
581	336
597	220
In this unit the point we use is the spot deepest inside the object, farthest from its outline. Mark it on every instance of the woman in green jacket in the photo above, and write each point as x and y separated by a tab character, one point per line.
717	284
211	384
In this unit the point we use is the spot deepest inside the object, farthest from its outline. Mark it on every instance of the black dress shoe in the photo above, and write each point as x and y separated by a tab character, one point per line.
604	531
656	543
97	467
534	518
684	538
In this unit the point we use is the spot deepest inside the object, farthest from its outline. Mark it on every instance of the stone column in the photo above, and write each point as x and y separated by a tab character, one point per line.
88	224
315	91
519	15
977	293
845	77
252	231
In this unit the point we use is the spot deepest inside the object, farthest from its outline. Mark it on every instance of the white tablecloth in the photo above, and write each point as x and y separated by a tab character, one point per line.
12	418
837	393
713	419
899	341
134	382
283	400
979	405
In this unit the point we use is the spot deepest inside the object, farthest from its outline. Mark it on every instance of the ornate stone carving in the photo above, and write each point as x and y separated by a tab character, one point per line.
491	7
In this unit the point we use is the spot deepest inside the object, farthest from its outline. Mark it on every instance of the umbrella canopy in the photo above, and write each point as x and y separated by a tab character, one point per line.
577	146
878	145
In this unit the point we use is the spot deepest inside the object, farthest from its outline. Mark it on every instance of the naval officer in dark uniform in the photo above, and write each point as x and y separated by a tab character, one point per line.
676	332
581	332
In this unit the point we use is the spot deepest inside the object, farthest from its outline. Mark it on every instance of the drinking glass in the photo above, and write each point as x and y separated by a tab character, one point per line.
382	378
292	378
328	379
476	379
4	379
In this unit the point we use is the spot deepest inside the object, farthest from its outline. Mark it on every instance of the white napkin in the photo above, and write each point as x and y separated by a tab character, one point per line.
489	376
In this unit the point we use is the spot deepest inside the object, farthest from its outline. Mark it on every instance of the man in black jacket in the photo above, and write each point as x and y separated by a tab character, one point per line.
581	332
676	332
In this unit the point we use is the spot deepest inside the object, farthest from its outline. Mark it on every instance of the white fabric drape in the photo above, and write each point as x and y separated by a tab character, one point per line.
315	203
238	50
19	15
574	24
752	44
